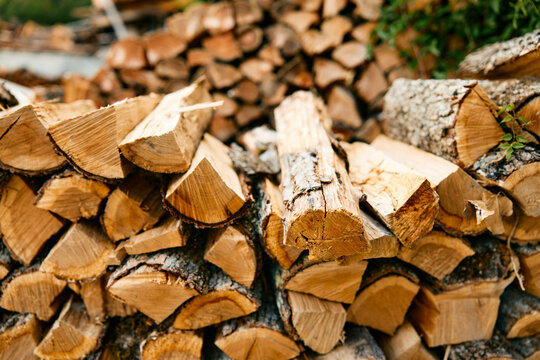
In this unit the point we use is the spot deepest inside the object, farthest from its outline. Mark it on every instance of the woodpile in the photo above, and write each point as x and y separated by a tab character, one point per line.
134	231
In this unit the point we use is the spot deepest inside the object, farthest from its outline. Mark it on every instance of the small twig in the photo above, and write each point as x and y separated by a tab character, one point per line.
511	257
447	352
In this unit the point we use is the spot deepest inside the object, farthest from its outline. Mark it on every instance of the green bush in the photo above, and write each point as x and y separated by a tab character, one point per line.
45	12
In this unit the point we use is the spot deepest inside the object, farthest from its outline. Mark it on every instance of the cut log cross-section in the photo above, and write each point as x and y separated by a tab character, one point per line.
24	145
19	336
166	140
412	112
171	232
210	193
321	206
529	259
403	200
405	344
519	313
172	344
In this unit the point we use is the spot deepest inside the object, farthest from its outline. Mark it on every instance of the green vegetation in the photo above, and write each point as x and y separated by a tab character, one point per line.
44	12
511	123
449	34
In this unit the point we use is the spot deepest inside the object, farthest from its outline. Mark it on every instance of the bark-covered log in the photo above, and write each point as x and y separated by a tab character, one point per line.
124	337
172	344
496	348
529	258
19	336
358	345
519	313
528	347
444	117
6	262
516	57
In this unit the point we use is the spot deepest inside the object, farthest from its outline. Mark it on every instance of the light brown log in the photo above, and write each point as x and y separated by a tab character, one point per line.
463	306
436	253
403	200
72	336
222	243
198	57
107	80
342	108
368	9
412	112
321	211
333	7
249	38
146	79
256	69
529	259
223	46
405	344
247	12
402	72
516	57
210	193
245	90
454	187
188	25
362	32
387	58
247	114
283	38
336	28
72	196
387	291
271	54
127	54
174	69
90	141
32	291
229	107
369	131
526	230
162	45
172	344
519	314
171	232
93	295
19	336
222	128
25	228
300	21
219	17
133	206
315	42
222	75
77	87
328	72
358	345
166	140
372	84
83	252
295	73
6	262
24	146
350	54
272	91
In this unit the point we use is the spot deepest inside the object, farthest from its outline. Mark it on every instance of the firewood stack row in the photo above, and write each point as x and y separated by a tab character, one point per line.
129	231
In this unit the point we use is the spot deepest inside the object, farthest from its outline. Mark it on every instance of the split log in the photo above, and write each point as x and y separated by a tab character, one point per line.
519	313
333	7
210	193
83	252
387	58
72	196
171	232
516	57
271	54
519	177
436	253
351	54
229	107
413	108
342	109
92	294
24	146
256	69
523	93
358	345
133	206
162	45
528	347
198	57
188	25
526	228
529	259
283	38
90	141
403	200
369	131
107	80
6	262
362	32
223	299
223	47
222	75
336	28
371	85
244	266
25	228
300	21
496	348
19	336
172	344
368	9
328	72
295	72
175	69
219	18
72	336
455	188
463	305
245	90
32	291
260	335
405	344
166	140
387	290
247	114
321	206
145	79
222	128
249	38
127	54
315	42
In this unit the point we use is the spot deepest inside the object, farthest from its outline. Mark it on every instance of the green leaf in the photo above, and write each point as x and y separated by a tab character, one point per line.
510	107
504	145
509	153
517	145
506	119
501	110
522	139
506	137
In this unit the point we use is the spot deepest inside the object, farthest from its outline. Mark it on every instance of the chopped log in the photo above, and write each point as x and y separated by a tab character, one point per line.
328	72
351	54
247	114
403	200
72	336
454	187
368	9
6	262
247	12
198	57
249	38
127	54
258	336
519	313
90	141
256	69
72	196
387	290
333	280
436	253
273	91
401	72
528	347
229	107
512	58
162	45
210	193
315	42
107	80
246	91
529	259
519	177
172	344
224	299
369	131
243	267
166	140
19	336
412	111
405	344
283	38
300	21
77	87
83	252
222	75
25	228
526	230
222	128
124	337
387	58
372	84
32	291
24	146
170	233
145	79
321	206
133	206
358	345
219	18
336	28
496	348
188	25
175	69
93	295
362	32
463	305
271	54
333	7
296	73
223	46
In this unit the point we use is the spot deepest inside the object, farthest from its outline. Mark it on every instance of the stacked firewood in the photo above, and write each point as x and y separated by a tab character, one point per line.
129	231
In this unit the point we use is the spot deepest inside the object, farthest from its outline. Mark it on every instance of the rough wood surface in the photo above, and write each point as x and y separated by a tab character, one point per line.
321	206
529	258
519	313
443	117
496	348
358	345
19	336
512	58
169	233
127	54
405	344
6	262
172	344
